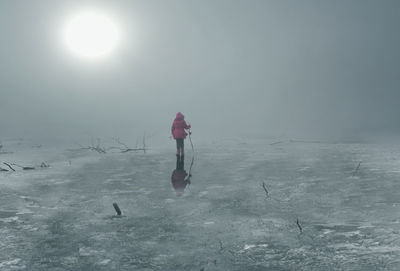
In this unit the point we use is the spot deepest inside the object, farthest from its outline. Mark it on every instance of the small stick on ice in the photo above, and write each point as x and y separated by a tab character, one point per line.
356	170
278	142
117	209
24	168
298	225
265	189
7	164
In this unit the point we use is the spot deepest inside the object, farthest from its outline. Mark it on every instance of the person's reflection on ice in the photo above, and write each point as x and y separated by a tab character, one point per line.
178	177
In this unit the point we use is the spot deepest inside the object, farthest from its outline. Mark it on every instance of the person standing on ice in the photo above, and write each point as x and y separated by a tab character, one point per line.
178	132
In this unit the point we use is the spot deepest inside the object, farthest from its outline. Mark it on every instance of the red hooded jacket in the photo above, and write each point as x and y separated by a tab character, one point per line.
178	126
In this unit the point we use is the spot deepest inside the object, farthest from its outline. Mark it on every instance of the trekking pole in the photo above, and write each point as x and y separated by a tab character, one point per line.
190	138
191	164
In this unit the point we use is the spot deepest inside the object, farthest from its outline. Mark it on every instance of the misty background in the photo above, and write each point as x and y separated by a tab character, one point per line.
311	69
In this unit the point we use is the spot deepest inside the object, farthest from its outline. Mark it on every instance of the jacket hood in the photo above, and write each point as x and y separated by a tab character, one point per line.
179	116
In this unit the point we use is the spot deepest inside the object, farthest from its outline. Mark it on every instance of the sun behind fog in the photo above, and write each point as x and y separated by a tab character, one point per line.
91	35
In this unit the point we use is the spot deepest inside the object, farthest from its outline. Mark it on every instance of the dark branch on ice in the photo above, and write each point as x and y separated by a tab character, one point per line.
265	189
123	148
23	167
298	225
93	147
126	148
117	209
357	168
7	164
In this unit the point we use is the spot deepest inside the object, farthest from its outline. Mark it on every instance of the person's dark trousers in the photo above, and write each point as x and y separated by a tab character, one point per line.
179	145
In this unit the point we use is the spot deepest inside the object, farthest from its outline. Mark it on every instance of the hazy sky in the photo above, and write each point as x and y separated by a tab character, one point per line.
322	68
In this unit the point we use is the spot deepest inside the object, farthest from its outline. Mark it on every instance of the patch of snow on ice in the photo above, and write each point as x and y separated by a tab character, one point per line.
10	263
105	262
203	193
9	219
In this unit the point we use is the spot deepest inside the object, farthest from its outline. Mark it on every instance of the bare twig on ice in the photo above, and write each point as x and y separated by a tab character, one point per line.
138	149
357	168
94	147
7	164
23	167
117	209
275	143
298	225
123	148
98	147
126	148
10	166
265	189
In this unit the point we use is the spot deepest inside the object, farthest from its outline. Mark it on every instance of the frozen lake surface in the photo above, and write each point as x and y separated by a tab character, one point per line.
62	218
